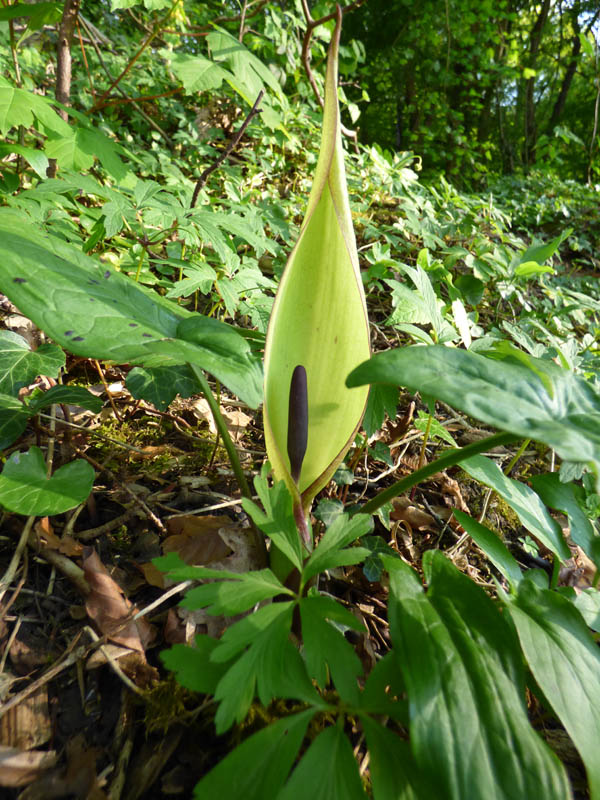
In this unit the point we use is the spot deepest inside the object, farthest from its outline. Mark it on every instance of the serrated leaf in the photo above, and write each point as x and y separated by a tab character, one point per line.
326	647
565	662
523	500
25	488
233	597
382	399
193	666
20	107
257	768
509	396
343	531
20	365
464	675
328	770
99	313
196	73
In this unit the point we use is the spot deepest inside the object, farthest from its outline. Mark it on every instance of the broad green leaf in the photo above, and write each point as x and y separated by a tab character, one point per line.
328	770
509	396
161	385
493	546
523	500
587	602
25	488
20	107
329	552
325	646
196	73
535	255
565	662
319	321
464	675
20	365
13	419
257	769
564	497
394	773
82	145
99	313
193	666
36	159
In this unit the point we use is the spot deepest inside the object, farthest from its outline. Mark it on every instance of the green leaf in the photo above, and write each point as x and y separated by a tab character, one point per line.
68	395
384	691
565	497
328	770
257	768
20	366
196	73
13	419
343	531
465	680
325	646
99	313
35	158
25	489
587	602
492	546
233	597
565	662
523	500
193	666
20	107
161	385
382	399
278	523
535	255
509	396
394	773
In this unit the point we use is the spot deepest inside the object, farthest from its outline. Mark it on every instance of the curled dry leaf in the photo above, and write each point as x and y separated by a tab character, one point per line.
47	538
405	511
27	725
236	421
110	609
18	768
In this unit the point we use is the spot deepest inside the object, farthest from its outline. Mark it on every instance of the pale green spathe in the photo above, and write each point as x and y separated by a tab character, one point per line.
319	319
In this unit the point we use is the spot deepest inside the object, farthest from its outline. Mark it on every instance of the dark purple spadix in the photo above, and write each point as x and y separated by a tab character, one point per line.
297	437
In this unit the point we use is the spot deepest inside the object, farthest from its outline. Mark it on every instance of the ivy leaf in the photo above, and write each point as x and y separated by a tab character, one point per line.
26	489
20	365
161	385
13	419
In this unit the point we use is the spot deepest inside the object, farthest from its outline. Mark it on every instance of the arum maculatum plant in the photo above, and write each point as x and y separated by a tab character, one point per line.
318	331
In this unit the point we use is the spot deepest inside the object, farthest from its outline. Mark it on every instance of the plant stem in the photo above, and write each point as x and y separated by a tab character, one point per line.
224	433
447	459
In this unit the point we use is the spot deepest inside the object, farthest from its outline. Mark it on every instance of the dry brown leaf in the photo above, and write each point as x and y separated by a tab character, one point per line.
27	725
451	487
236	421
405	511
109	608
196	540
47	538
18	768
79	780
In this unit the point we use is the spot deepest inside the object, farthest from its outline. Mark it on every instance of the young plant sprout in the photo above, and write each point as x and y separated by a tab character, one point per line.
318	331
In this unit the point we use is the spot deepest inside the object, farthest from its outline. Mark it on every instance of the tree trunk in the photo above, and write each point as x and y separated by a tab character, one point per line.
535	39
